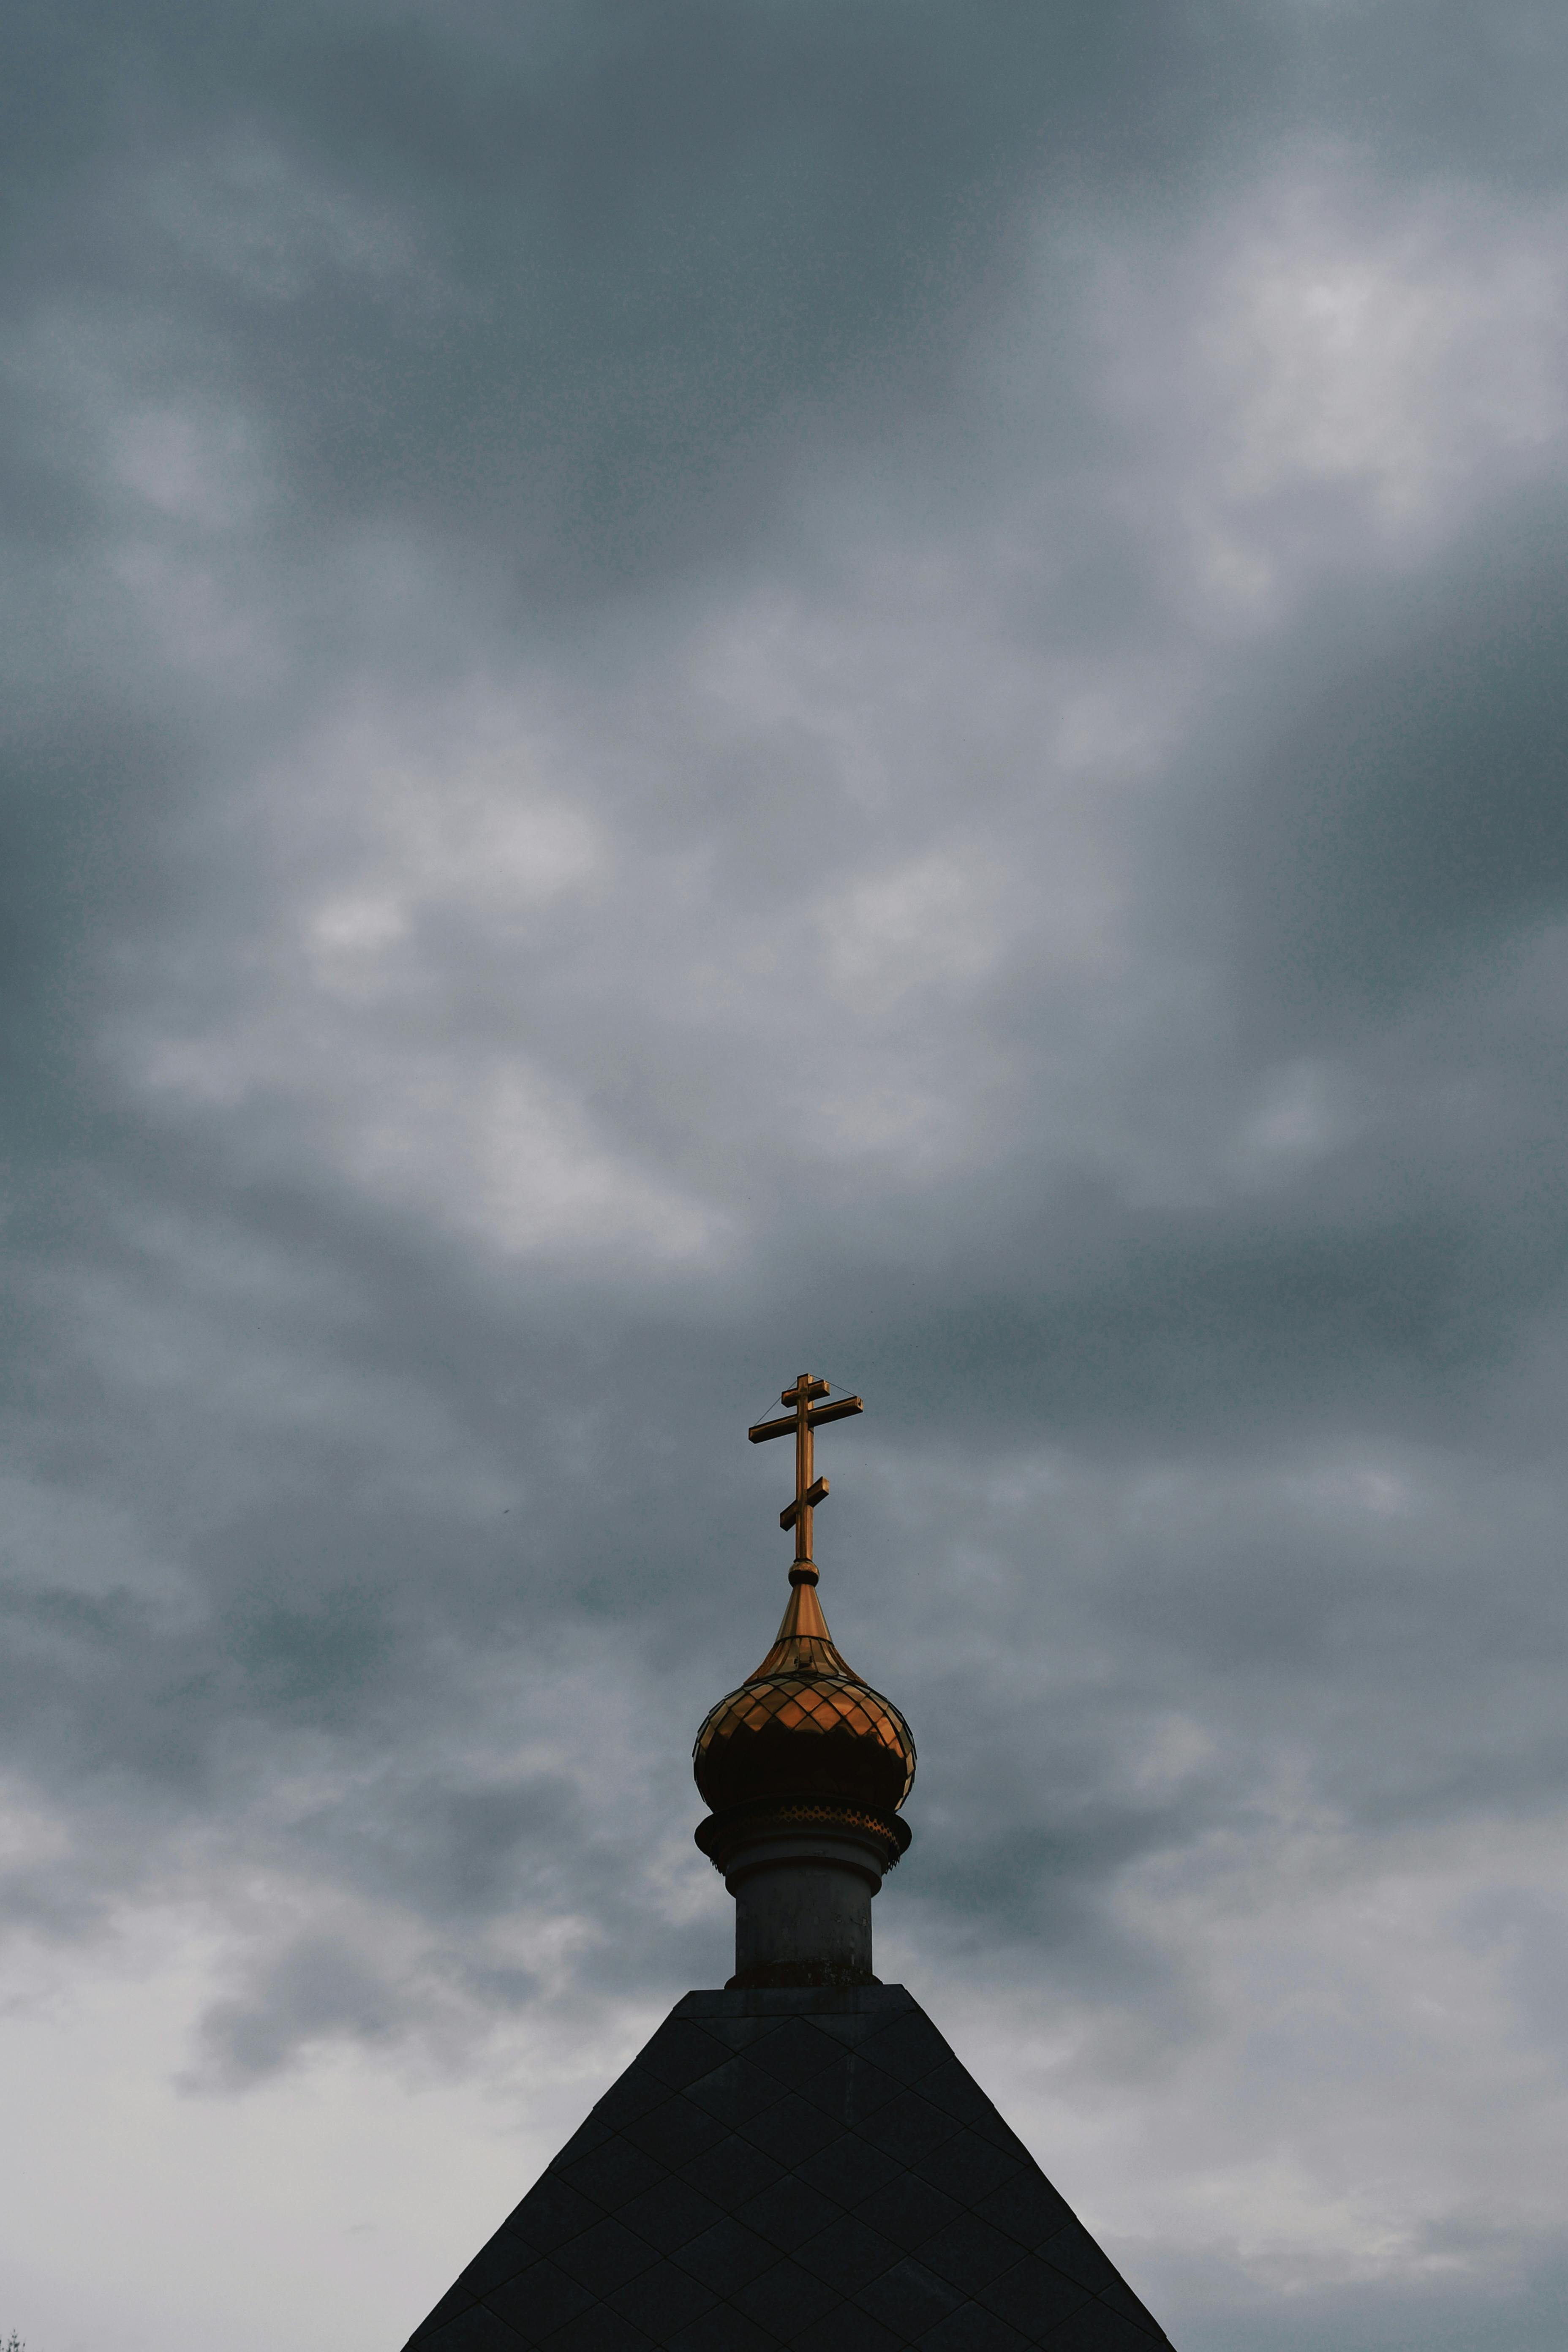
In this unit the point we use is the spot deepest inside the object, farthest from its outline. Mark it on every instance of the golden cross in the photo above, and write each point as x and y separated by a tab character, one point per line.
809	1490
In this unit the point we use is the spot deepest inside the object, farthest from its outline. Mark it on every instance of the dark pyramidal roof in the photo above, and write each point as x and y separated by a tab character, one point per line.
811	2168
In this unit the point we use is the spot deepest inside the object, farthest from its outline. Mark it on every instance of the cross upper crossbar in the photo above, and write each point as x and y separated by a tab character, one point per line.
809	1490
839	1410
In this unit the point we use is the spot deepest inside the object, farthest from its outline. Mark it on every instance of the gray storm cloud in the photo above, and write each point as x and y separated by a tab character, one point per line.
699	690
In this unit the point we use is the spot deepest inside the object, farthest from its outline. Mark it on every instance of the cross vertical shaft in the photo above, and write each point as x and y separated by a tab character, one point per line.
804	1464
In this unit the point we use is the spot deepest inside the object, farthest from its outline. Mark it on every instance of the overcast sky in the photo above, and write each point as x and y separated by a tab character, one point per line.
702	687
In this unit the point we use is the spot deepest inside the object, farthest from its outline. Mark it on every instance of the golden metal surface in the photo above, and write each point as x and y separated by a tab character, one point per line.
815	1493
839	1410
806	1418
803	1729
803	1723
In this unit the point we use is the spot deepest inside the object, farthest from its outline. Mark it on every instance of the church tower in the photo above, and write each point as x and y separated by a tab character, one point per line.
799	2159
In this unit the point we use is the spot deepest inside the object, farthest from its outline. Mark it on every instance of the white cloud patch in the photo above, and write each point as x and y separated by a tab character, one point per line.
1334	355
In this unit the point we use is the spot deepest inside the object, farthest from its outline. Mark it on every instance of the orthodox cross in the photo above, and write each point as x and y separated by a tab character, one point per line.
805	1417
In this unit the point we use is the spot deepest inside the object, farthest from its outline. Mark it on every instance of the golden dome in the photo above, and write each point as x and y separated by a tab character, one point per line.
803	1729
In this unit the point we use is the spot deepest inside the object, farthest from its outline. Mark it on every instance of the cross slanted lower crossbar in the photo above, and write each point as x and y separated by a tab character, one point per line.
806	1417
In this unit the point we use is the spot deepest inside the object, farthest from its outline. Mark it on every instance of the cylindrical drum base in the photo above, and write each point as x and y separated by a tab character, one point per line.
803	1908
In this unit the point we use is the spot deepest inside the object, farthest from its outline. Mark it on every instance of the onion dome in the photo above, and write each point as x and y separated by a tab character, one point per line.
804	1739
